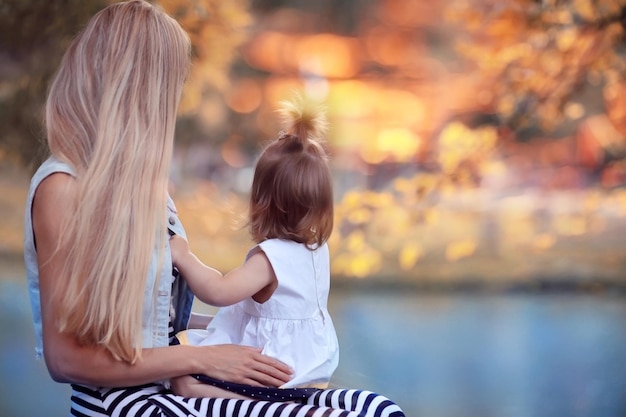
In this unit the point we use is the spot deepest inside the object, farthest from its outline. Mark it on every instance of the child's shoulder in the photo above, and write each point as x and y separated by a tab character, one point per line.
281	244
286	248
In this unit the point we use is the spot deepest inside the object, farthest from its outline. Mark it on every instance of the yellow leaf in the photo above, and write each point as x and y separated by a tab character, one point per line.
460	249
409	255
431	217
378	199
364	264
356	241
352	199
359	216
566	39
585	8
570	225
543	241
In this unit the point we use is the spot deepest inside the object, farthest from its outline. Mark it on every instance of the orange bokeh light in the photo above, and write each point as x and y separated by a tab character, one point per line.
245	96
323	54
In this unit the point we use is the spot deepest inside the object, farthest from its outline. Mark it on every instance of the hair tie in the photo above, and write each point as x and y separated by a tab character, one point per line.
282	135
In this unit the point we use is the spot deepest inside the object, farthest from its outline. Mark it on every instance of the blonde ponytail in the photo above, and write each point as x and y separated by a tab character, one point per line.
303	119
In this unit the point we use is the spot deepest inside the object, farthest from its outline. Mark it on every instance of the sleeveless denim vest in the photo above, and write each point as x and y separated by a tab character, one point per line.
159	293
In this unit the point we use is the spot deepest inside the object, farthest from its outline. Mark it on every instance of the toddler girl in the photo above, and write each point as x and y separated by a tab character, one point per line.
277	299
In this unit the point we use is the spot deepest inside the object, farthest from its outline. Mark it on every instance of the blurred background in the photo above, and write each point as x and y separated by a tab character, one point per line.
479	158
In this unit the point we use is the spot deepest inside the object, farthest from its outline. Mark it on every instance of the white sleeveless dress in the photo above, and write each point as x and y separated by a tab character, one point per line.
294	325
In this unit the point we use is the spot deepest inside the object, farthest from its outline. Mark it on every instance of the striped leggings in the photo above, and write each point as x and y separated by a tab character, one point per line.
153	401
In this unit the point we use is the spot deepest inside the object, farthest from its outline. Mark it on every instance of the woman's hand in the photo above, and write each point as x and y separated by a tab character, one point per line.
244	365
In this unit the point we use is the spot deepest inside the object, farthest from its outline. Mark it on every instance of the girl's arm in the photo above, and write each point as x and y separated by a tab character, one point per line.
211	287
70	362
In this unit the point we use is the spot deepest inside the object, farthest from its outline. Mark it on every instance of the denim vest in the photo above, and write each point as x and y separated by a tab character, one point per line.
159	293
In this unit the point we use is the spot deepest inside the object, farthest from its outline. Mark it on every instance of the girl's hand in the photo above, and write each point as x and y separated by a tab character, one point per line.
190	387
179	247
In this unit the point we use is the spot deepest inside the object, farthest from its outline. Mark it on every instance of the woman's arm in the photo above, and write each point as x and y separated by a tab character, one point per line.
211	287
68	361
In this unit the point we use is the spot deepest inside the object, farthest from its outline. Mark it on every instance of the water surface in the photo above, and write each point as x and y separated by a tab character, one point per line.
437	355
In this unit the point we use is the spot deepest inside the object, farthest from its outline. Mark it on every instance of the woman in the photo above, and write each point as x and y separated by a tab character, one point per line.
96	228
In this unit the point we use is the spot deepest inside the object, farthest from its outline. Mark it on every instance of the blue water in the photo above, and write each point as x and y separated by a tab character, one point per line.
436	355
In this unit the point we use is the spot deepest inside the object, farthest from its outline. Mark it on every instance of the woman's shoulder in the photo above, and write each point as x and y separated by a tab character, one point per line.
57	183
53	172
51	207
53	165
55	191
52	176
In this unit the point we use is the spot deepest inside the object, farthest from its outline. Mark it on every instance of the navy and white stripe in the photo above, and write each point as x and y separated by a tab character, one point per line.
365	403
154	401
118	402
324	403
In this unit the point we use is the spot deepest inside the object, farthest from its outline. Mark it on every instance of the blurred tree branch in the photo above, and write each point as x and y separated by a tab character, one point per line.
33	36
216	29
35	33
542	54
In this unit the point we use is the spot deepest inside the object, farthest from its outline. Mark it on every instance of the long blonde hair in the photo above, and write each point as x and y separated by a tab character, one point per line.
110	114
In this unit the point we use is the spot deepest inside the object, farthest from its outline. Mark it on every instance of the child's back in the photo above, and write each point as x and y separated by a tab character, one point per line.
293	324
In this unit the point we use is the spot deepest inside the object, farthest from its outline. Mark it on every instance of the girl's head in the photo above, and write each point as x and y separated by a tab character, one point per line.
292	195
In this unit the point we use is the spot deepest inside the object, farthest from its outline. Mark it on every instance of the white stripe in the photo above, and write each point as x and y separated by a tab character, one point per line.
348	399
118	409
361	401
110	398
272	409
334	398
95	401
134	410
287	410
230	408
86	411
305	409
322	397
166	401
375	402
189	412
256	410
204	406
189	403
244	407
320	411
390	409
217	406
88	399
